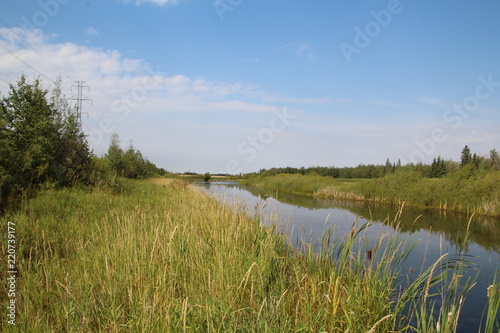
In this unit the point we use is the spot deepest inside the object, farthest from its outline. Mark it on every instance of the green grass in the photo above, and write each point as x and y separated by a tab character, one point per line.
165	258
461	191
293	183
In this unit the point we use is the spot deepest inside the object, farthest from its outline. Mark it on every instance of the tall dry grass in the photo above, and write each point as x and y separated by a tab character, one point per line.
164	258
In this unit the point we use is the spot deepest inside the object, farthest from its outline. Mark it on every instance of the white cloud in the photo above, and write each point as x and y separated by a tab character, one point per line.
294	100
174	118
252	60
156	2
302	49
91	31
30	53
18	38
130	97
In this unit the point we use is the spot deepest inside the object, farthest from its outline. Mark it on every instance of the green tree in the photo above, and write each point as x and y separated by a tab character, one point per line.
40	140
206	177
115	155
73	156
438	168
476	161
466	156
494	160
134	163
130	163
388	167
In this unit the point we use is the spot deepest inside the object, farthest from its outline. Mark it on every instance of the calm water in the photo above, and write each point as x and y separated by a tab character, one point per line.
303	218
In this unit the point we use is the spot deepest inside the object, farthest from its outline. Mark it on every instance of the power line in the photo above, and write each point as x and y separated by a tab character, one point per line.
27	43
79	99
27	64
4	81
7	76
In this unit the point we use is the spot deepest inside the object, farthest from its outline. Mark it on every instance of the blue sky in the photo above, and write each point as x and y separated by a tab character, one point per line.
238	85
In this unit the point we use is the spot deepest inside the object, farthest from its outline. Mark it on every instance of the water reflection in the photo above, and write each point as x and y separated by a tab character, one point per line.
305	219
483	230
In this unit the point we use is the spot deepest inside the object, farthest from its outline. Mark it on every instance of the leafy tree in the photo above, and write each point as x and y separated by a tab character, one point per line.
115	154
451	166
73	156
134	163
40	140
494	160
130	163
206	177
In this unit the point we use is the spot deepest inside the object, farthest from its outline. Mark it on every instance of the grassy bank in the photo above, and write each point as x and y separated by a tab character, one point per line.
165	258
462	191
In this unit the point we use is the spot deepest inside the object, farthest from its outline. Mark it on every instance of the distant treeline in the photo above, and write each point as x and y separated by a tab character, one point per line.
470	185
42	145
130	163
437	169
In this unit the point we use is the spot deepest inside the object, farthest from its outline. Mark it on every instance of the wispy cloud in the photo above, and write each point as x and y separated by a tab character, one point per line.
469	136
20	38
252	60
301	49
91	31
131	95
107	70
155	2
432	101
294	100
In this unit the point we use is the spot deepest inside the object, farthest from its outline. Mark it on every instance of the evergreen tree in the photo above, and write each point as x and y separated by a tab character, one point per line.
466	157
438	168
115	155
388	167
476	161
494	160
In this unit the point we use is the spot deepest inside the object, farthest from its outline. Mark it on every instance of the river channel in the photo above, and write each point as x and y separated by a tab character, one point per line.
304	220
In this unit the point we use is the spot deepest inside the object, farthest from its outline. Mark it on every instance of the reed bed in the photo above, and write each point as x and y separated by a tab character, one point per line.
164	258
476	193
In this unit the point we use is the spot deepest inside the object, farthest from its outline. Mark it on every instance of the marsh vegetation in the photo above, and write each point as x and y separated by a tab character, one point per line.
163	257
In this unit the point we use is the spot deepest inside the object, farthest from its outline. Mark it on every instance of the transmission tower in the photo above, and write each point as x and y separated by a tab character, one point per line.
79	98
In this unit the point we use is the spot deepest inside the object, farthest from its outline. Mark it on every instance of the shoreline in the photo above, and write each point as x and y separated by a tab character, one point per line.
352	190
161	256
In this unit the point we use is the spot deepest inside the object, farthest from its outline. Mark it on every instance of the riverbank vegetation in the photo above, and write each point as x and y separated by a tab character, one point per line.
469	186
100	249
42	145
166	258
437	169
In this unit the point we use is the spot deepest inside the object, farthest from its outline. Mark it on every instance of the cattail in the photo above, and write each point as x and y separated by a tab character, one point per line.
489	290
